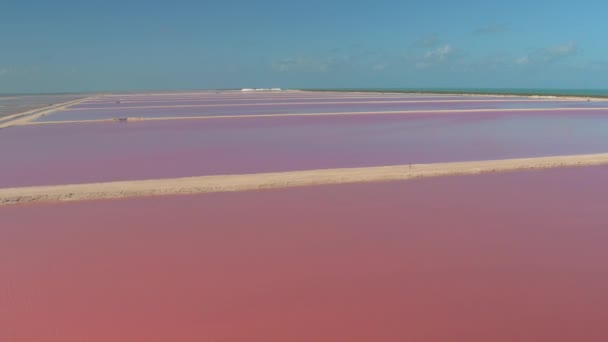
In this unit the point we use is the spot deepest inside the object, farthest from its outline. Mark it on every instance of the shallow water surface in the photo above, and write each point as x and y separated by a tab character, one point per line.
81	153
164	109
503	257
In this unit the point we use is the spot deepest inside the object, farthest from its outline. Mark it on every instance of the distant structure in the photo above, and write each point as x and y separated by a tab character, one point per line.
260	89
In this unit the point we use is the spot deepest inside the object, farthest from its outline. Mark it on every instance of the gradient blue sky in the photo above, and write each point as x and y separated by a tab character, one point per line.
50	46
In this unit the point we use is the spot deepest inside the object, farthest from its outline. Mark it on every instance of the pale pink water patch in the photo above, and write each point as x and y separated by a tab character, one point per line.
96	104
107	112
82	153
504	257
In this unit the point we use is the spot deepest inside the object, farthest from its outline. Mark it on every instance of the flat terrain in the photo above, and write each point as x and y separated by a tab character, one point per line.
274	180
304	216
91	152
308	103
13	104
501	257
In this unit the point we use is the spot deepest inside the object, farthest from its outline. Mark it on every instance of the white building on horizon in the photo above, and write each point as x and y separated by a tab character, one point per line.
261	89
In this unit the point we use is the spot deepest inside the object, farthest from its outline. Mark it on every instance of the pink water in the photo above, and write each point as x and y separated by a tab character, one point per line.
504	257
160	101
289	95
80	153
107	112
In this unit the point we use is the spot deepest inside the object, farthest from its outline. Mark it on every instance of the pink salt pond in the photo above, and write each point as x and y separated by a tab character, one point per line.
196	109
219	100
503	257
81	153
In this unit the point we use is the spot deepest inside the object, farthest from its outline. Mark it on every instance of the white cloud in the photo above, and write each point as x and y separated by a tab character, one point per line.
523	60
11	70
291	64
428	41
564	50
310	64
444	54
283	65
422	65
379	67
548	55
440	54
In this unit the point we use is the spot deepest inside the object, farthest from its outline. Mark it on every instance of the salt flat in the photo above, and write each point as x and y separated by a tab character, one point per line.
304	216
14	104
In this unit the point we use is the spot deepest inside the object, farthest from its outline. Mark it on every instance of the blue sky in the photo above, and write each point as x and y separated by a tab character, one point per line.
52	46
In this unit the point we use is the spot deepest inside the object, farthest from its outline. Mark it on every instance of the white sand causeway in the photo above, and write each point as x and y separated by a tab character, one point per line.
246	97
230	183
25	117
308	103
395	112
326	98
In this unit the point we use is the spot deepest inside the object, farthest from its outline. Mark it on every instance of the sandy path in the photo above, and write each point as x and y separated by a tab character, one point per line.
209	93
394	112
25	117
396	98
310	103
290	92
228	183
269	97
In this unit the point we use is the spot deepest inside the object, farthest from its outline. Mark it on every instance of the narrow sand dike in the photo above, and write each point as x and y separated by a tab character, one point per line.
202	116
229	183
35	114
